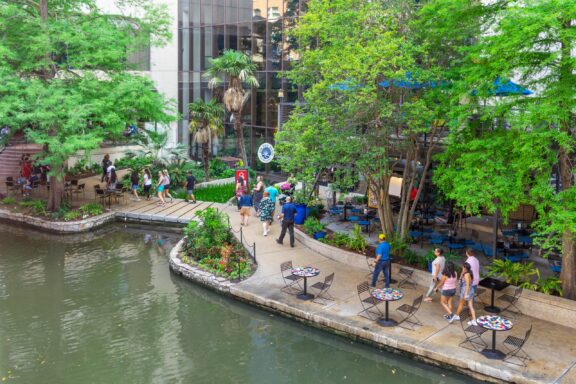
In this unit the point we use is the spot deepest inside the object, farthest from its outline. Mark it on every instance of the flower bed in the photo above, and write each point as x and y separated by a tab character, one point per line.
209	244
37	208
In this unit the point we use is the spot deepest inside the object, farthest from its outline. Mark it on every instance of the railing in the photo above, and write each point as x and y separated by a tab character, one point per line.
251	249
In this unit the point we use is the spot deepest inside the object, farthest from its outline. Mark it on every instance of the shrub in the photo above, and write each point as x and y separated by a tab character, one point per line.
214	193
340	239
356	241
312	225
8	200
38	207
91	209
72	215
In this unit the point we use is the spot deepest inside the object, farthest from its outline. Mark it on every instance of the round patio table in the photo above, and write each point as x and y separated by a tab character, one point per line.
494	324
387	295
305	272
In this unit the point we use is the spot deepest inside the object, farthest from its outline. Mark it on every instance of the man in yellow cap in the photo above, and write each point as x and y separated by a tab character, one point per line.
382	261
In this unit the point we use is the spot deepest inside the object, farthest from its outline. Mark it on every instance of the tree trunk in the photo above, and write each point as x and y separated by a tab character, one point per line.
205	155
56	194
568	274
240	137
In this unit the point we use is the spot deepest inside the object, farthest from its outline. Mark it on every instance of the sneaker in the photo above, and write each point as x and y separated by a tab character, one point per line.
447	317
453	318
265	233
278	241
472	322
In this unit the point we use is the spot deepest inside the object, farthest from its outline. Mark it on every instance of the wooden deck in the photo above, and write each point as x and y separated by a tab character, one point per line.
177	212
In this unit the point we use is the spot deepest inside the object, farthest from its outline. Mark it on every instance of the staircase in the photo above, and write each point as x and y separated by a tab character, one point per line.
11	155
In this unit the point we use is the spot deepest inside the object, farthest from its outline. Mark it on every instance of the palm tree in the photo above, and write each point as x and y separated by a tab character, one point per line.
239	69
205	124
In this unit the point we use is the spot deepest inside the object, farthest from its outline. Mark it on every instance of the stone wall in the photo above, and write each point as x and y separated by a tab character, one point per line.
59	226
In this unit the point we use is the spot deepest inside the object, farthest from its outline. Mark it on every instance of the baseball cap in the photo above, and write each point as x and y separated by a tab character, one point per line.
381	236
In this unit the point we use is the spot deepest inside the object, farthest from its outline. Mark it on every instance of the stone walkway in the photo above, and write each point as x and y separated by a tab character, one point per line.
552	346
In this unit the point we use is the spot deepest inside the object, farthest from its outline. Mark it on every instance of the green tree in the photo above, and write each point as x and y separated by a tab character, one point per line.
371	105
533	42
206	124
64	78
239	69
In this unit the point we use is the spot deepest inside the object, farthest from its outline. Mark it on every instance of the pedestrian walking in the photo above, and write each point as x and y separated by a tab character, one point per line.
382	262
147	183
266	212
437	268
287	218
467	292
240	188
105	164
135	181
447	285
475	273
258	193
167	186
190	182
160	189
245	203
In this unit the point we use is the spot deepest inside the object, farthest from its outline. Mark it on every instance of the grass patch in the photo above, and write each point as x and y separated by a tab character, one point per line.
213	193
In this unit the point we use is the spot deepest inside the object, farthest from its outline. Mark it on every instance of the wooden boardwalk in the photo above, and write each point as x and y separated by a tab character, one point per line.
177	212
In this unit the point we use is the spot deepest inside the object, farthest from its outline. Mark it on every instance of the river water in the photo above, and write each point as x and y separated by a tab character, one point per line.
103	308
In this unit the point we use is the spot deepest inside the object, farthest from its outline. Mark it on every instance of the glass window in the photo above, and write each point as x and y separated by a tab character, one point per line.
207	47
219	12
207	12
275	45
231	37
259	102
245	10
258	44
273	82
195	50
194	13
291	8
184	19
231	11
245	38
218	41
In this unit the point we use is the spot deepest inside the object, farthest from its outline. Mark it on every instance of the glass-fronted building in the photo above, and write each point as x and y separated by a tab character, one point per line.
256	27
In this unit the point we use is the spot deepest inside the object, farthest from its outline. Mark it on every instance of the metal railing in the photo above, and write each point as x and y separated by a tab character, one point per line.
251	249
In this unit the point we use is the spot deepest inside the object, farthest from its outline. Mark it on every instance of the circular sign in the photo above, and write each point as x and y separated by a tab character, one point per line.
266	153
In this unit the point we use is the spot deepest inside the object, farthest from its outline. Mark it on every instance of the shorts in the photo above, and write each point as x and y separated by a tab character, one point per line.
190	191
147	188
160	188
134	187
167	186
471	292
245	211
449	292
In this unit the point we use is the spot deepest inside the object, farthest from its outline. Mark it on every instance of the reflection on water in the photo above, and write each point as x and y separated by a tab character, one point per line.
103	308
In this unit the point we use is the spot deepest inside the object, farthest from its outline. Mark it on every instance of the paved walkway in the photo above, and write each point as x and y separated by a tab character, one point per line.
552	347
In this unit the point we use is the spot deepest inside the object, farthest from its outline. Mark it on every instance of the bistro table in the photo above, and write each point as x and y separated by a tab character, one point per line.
494	285
387	295
305	272
494	324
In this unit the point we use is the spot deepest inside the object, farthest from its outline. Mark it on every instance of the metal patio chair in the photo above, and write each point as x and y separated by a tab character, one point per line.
410	311
473	333
323	288
515	352
291	282
511	300
406	277
369	304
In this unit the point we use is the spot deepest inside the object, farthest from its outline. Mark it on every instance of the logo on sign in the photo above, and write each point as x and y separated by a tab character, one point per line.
266	153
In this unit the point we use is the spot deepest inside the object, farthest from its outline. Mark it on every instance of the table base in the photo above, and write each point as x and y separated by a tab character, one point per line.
493	354
492	309
387	323
305	296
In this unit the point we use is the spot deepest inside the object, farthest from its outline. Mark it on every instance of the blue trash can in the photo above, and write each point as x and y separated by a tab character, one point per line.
300	214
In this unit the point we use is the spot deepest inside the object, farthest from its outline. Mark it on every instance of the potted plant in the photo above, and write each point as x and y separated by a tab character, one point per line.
315	228
428	259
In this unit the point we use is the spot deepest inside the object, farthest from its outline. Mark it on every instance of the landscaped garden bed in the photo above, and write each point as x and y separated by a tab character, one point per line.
209	244
37	208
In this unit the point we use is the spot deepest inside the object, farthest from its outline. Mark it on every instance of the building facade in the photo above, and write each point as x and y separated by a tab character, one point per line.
256	27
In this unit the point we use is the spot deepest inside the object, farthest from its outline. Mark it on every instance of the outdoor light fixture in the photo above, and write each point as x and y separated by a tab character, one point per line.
280	93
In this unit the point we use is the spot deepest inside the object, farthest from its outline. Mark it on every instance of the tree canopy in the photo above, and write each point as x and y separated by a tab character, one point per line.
65	77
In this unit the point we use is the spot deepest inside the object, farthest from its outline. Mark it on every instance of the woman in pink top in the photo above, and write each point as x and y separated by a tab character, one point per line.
448	284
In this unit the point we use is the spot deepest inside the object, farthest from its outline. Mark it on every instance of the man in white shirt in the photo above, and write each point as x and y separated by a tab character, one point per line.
475	267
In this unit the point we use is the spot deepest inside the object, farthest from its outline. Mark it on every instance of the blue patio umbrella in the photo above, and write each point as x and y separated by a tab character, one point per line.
408	83
506	88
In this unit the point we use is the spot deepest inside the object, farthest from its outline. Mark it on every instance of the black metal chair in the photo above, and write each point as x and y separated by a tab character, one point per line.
369	304
323	288
473	333
515	352
290	280
406	276
13	187
511	300
410	311
81	189
100	194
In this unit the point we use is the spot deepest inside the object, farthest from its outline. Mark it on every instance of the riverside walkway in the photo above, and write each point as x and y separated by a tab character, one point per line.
551	346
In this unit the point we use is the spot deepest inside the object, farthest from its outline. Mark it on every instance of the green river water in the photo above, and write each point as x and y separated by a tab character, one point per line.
103	308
